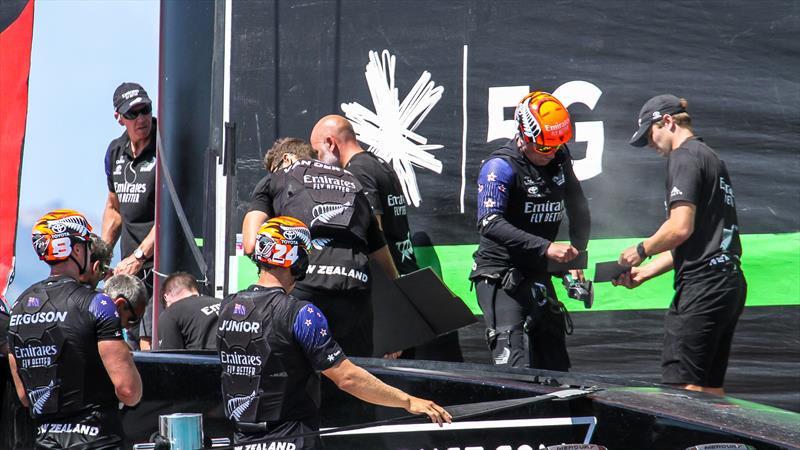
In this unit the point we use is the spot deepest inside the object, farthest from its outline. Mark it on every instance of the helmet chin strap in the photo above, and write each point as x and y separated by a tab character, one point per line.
81	268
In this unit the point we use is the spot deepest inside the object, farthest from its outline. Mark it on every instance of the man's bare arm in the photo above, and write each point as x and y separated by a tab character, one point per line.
112	220
252	222
672	233
17	381
361	384
119	364
383	258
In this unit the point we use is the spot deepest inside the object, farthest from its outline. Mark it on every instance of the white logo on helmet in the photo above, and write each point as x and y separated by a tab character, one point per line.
525	118
58	228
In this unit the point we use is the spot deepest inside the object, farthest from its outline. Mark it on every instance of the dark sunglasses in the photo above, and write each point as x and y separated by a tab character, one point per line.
135	320
546	150
130	115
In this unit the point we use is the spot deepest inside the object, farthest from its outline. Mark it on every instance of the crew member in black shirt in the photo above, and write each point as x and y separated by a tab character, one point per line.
524	189
272	346
335	142
68	360
129	214
700	240
190	320
345	236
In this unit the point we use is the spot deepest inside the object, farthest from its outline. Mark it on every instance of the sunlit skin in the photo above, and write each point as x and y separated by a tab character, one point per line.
138	129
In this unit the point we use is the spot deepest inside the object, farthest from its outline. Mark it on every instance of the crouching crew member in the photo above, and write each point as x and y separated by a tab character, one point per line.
272	346
524	189
190	320
69	362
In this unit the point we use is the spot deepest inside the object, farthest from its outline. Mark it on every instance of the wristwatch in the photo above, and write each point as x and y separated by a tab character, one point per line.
640	251
138	254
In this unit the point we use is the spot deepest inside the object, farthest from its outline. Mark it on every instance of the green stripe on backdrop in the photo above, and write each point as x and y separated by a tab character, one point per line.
771	263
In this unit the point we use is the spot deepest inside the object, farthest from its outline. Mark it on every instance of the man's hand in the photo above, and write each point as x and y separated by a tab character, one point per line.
393	355
437	414
633	278
577	274
130	265
630	257
561	252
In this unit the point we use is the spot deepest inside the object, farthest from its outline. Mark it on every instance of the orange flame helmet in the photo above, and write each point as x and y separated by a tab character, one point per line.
55	232
541	118
284	242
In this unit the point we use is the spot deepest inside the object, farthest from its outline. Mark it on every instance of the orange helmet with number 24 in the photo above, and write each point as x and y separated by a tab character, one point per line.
284	242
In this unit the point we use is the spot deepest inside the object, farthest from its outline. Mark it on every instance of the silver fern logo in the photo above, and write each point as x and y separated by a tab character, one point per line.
238	405
529	125
74	223
320	243
38	397
297	234
327	211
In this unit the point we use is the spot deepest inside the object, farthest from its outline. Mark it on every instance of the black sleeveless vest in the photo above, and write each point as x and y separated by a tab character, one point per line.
52	336
266	376
535	205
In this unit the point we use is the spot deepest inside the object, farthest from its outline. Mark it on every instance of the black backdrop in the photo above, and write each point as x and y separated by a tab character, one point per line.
736	63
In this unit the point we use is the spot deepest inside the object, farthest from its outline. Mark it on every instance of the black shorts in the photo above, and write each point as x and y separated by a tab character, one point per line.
95	431
349	317
699	326
281	436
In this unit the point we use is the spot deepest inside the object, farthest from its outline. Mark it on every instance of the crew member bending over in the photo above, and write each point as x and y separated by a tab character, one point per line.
272	346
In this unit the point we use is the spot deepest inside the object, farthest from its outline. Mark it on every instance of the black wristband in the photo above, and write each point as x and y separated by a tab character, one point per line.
640	251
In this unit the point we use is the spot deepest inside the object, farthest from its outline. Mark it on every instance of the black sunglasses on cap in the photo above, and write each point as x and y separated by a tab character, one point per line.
132	114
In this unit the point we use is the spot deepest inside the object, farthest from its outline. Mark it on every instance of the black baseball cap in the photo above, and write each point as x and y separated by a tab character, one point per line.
128	95
652	111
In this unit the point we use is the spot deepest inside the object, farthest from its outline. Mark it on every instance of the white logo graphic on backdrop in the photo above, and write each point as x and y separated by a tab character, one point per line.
568	93
389	130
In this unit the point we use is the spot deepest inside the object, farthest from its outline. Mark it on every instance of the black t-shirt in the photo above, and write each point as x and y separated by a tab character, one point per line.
330	201
134	182
695	174
54	330
385	195
189	324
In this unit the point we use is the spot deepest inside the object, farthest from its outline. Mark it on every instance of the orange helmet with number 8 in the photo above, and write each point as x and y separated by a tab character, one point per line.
55	232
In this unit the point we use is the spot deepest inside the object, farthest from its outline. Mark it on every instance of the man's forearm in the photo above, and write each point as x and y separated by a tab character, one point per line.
674	232
383	258
661	264
149	243
112	224
361	384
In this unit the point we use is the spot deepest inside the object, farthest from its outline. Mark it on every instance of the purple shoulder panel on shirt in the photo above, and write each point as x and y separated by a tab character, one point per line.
102	307
494	182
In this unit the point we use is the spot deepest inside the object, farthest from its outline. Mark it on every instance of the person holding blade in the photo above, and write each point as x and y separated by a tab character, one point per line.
700	241
68	360
335	142
129	214
272	346
524	190
346	237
